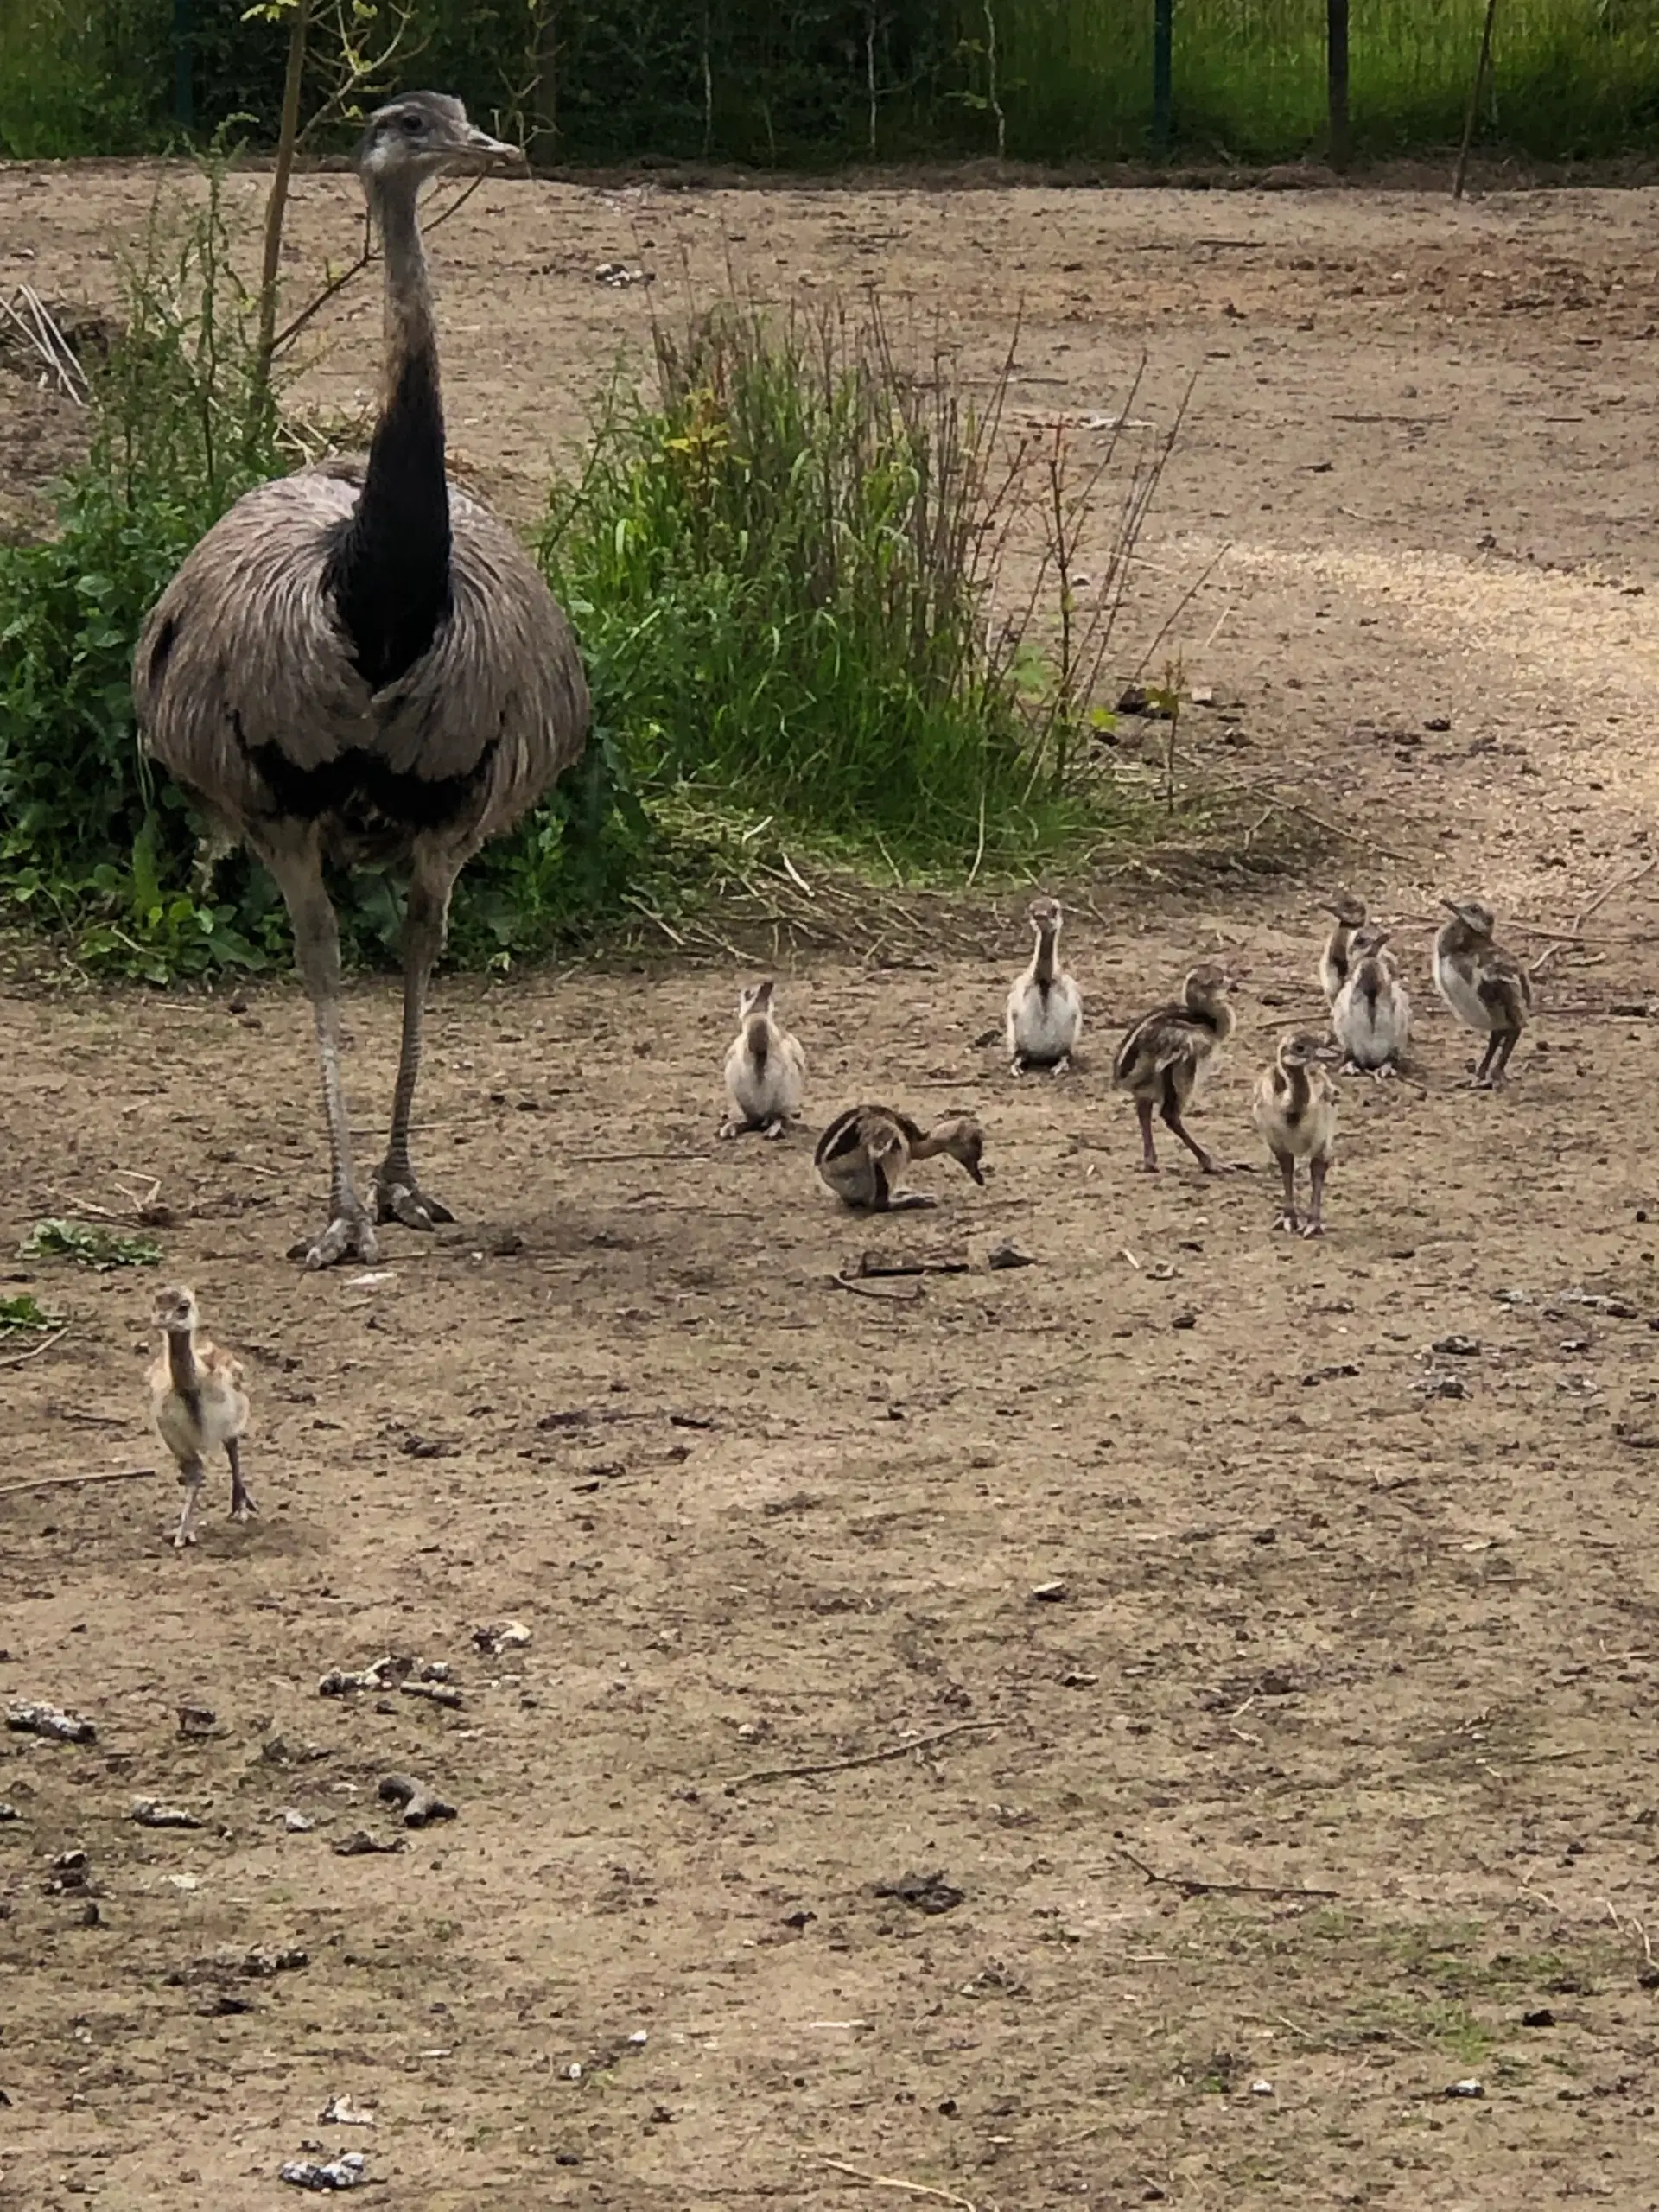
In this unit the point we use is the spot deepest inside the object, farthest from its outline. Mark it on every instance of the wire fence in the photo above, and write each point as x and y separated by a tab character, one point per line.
801	82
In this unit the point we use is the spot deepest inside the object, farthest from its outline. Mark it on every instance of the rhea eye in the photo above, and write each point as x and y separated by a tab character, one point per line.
411	125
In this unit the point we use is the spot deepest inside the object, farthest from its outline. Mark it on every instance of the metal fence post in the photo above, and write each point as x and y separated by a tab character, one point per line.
1163	49
1336	69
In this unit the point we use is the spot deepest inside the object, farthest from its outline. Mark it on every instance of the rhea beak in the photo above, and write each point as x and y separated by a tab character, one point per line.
1452	907
485	154
973	1167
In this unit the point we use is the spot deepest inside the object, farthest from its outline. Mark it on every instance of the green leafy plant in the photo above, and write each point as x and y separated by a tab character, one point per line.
25	1313
88	1246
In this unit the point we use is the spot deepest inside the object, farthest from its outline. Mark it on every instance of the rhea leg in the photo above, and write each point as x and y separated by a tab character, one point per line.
1314	1226
1148	1156
397	1194
191	1472
1288	1214
1171	1111
1483	1077
298	870
1494	1069
242	1505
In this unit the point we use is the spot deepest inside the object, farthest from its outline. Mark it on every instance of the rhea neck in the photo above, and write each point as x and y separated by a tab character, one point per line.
1298	1089
183	1368
390	568
1044	965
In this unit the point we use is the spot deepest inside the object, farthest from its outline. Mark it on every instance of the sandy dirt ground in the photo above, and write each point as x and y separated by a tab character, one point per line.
1284	1725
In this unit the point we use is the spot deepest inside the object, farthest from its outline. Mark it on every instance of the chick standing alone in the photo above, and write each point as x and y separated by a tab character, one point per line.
1371	1015
198	1405
1160	1060
1044	1014
863	1153
1295	1110
765	1068
1486	988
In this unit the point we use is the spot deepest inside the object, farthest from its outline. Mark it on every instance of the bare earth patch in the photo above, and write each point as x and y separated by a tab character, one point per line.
1323	1781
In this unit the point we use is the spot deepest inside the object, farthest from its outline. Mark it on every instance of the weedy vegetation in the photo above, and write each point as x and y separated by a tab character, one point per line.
88	1246
24	1315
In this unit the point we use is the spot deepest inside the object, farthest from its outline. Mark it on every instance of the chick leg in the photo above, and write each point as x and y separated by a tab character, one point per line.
1148	1157
1314	1226
396	1192
1177	1127
776	1128
1504	1041
191	1472
1483	1073
1287	1218
242	1505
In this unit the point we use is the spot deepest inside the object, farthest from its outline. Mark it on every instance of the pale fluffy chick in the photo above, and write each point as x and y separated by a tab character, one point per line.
1371	1017
198	1405
1045	1012
765	1068
1295	1110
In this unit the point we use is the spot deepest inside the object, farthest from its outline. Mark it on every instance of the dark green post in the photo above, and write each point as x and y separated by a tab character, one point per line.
1336	70
1163	53
184	103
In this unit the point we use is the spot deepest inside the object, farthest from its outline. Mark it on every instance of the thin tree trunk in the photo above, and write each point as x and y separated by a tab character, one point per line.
1481	67
276	201
546	103
1336	70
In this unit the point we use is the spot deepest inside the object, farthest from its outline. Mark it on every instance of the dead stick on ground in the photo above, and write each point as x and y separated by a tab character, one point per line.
882	1297
863	1758
1564	942
18	1359
889	2181
62	1482
1193	1886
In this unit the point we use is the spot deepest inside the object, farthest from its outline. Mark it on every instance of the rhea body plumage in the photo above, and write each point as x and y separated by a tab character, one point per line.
1161	1057
1295	1110
1371	1018
1335	960
198	1405
1045	1009
359	663
765	1068
864	1154
1486	988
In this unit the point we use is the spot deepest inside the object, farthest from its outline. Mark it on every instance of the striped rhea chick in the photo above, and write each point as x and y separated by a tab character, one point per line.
197	1404
1160	1059
863	1154
1295	1110
1044	1011
765	1068
1487	989
1338	957
1371	1017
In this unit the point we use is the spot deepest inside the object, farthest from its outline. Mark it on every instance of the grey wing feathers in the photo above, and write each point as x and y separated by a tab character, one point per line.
1156	1042
1506	989
242	650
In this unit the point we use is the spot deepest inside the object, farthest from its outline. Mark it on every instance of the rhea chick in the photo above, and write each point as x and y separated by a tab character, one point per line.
198	1405
1044	1014
1371	1016
1337	958
765	1068
1295	1110
864	1153
1160	1059
1485	988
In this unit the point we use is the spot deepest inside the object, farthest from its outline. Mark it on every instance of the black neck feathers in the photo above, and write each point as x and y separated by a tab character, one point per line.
388	571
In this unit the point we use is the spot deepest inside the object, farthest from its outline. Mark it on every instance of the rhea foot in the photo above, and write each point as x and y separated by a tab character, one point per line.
348	1237
398	1197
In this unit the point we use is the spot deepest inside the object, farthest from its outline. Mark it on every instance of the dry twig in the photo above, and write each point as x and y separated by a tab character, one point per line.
62	1482
863	1758
891	2181
1193	1886
19	1359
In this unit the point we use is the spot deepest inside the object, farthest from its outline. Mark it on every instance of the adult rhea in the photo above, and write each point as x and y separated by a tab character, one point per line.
359	663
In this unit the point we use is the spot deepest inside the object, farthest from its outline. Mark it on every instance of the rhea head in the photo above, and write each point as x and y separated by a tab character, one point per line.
175	1310
427	134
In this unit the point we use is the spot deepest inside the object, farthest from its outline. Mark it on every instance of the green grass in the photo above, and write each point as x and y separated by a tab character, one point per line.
88	1246
788	82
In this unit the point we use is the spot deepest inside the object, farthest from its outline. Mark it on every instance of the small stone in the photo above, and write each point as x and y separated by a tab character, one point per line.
150	1812
1051	1593
1467	2088
1187	1319
1456	1347
1541	2018
296	1823
573	2071
1008	1255
1261	2088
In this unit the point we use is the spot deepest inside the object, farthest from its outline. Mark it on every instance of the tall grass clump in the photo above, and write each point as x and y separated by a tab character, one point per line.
783	560
89	839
